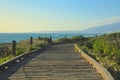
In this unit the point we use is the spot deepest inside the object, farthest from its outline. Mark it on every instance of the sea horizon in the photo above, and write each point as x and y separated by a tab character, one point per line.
8	37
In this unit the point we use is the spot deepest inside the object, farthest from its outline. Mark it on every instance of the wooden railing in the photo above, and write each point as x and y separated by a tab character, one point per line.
4	66
100	69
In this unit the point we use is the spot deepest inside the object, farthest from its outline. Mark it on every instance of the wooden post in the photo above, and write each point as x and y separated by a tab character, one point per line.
65	37
31	40
39	38
50	38
14	48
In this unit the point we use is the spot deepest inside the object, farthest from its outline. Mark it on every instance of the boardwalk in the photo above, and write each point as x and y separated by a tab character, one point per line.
58	62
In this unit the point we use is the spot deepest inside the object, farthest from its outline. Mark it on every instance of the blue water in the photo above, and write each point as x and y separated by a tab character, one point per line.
8	37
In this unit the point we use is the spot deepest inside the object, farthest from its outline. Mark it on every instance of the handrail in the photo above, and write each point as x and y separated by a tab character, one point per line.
17	59
4	66
100	69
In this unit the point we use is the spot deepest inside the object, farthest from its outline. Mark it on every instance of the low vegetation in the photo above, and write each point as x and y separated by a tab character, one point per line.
21	48
106	50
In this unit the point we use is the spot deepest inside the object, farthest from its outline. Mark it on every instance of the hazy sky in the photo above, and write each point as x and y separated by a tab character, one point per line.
56	15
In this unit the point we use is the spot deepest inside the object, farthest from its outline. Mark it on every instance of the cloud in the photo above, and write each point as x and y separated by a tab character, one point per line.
105	21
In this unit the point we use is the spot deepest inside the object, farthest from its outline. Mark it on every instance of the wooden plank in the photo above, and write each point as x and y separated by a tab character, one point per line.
100	69
56	63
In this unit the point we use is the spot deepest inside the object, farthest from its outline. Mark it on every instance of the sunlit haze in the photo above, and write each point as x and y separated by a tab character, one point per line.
56	15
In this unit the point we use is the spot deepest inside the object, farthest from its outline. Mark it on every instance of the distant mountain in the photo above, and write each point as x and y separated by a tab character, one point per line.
60	32
115	27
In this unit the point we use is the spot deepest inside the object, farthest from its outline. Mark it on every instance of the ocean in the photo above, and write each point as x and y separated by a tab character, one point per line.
8	37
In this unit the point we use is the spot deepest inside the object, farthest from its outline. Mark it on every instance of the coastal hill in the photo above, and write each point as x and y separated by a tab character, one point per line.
114	27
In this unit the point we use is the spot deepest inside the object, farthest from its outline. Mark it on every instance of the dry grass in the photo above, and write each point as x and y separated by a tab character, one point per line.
21	48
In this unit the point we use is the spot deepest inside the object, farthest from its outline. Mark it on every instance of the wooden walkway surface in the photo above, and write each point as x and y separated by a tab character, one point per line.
58	62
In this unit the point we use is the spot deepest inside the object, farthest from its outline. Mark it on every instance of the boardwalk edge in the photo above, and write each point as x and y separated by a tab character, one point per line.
100	69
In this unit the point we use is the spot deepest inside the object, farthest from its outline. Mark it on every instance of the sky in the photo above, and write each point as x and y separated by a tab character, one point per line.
56	15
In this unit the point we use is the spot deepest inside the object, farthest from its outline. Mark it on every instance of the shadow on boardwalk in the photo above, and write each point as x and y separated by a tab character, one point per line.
55	63
6	74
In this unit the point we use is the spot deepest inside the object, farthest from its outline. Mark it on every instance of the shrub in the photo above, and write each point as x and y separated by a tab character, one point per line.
32	48
63	40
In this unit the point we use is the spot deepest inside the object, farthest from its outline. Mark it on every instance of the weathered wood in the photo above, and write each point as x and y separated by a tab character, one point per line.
39	38
65	37
31	40
56	63
4	66
14	48
50	39
100	69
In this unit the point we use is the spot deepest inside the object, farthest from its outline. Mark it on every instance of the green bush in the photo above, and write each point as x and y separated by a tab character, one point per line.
106	50
6	58
20	50
32	48
76	38
63	40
